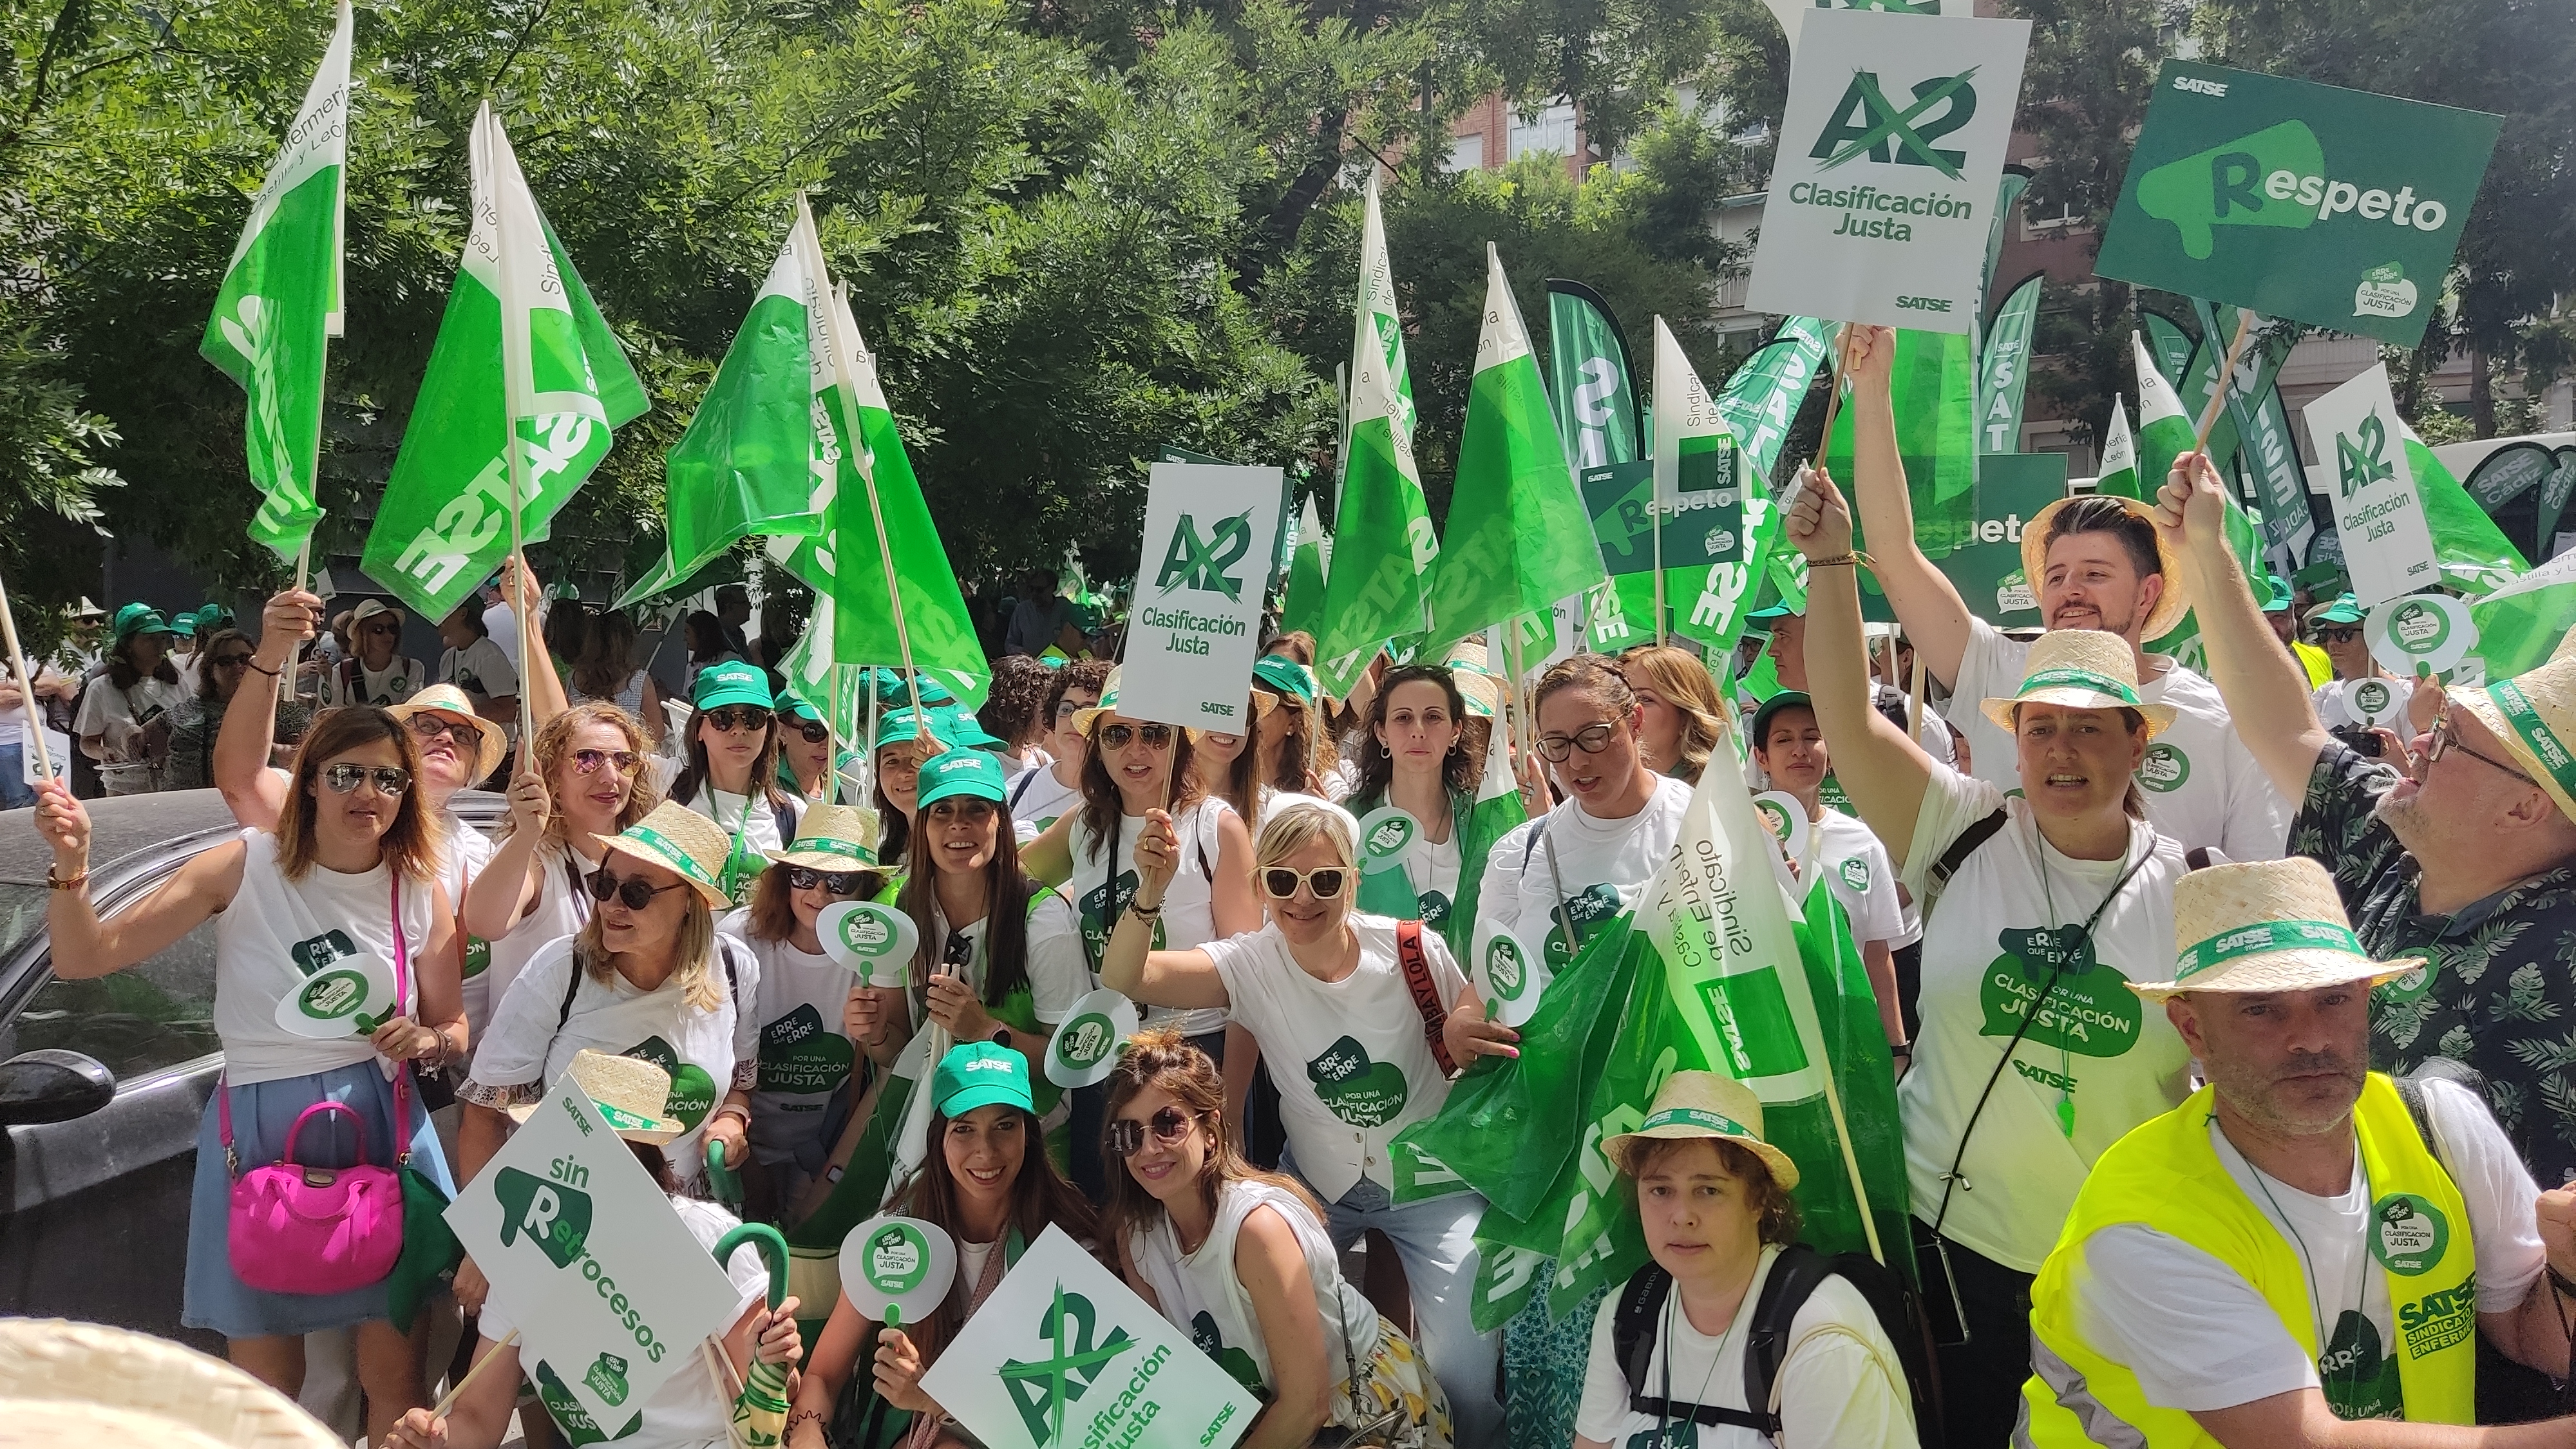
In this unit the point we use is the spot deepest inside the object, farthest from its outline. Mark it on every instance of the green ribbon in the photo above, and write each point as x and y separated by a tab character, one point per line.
1695	1117
2267	936
824	844
2080	679
672	854
2537	736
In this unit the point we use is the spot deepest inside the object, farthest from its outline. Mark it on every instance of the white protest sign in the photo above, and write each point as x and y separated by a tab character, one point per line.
346	992
1085	1046
2429	630
2374	702
896	1270
610	1291
1786	819
58	753
2387	546
1211	535
1508	975
1890	147
1064	1356
869	937
1791	12
1386	833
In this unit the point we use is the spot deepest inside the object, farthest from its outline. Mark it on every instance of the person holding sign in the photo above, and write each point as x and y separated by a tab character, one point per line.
2038	909
1241	1261
2095	563
122	722
2304	1242
335	968
646	977
691	1410
989	1187
1789	748
732	774
1336	1000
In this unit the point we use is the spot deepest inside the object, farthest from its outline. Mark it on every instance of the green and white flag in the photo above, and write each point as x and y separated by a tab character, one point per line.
762	436
2164	434
1517	538
2523	622
1933	383
2006	369
280	299
1383	543
2474	554
1309	564
2119	455
522	354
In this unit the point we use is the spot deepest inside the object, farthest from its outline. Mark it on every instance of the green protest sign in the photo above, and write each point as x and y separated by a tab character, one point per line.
1986	570
2335	207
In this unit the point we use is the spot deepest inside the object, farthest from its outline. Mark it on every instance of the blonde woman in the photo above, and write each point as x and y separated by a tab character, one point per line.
1682	709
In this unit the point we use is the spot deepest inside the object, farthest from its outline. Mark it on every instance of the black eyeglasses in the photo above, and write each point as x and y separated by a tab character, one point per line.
426	727
589	761
731	717
2445	739
1325	881
635	891
1126	1135
1068	708
814	731
843	883
2344	635
1591	740
388	779
1119	736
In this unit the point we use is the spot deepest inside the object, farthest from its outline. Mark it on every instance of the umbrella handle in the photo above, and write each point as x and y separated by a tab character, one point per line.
722	1180
773	1252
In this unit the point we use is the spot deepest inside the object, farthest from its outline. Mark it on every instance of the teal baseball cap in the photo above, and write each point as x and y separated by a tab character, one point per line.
963	770
731	682
1776	611
794	706
1284	677
898	726
138	618
1772	706
2345	609
958	725
979	1074
2279	597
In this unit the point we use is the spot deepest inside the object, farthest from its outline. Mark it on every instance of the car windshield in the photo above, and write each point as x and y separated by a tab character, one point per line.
22	913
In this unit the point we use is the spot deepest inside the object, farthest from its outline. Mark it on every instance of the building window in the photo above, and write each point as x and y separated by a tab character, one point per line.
1551	130
1467	153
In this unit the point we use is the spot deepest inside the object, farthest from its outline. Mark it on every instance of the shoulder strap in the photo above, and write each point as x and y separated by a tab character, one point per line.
1967	843
1794	1279
1207	867
783	812
572	988
1633	1327
1426	997
1020	791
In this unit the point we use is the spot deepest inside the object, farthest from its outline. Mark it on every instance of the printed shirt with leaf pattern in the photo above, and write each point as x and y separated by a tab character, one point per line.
2499	989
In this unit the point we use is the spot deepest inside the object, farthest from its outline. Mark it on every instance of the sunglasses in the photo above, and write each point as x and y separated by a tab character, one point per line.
1325	881
231	661
843	883
388	779
1119	736
814	731
1591	740
429	727
2344	635
635	891
1126	1135
383	629
589	761
2444	740
729	718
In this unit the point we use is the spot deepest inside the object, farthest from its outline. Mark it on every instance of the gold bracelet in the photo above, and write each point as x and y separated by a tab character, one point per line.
52	882
1841	561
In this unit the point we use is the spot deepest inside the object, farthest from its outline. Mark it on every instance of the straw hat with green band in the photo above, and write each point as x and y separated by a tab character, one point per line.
1083	719
632	1094
731	682
973	773
680	839
2534	714
2079	669
1704	1104
832	837
2266	925
1476	684
2170	606
448	700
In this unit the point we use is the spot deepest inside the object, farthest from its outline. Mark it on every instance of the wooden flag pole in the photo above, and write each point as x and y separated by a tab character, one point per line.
2218	393
27	691
458	1390
1834	402
303	576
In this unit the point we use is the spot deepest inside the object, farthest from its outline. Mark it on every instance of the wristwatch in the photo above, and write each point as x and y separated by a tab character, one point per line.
1001	1036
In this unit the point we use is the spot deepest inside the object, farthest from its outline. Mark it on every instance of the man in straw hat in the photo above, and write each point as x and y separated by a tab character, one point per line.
2095	562
2462	852
2303	1242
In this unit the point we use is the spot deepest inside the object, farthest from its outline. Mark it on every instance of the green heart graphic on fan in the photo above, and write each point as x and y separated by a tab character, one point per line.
693	1091
1360	1092
799	1054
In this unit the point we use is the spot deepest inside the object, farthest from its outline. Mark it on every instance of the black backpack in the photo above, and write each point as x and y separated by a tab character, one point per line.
1794	1278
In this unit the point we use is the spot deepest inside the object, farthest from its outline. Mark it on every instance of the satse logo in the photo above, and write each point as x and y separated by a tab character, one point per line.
2195	85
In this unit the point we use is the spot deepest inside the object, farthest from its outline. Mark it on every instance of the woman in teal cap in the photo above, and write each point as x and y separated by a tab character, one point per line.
122	722
989	1190
1297	754
732	774
906	739
807	755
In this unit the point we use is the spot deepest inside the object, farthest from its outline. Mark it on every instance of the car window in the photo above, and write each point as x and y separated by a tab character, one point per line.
22	913
155	1014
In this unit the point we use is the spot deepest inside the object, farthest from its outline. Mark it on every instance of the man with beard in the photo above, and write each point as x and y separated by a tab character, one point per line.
2095	563
2303	1243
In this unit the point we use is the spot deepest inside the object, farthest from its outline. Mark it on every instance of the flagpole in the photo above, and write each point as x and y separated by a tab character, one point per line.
303	571
26	690
1520	717
1655	518
513	393
1833	403
2226	381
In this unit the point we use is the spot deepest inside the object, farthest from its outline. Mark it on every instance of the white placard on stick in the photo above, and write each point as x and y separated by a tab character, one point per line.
611	1292
346	992
1884	188
58	753
871	938
1063	1354
897	1270
2361	447
1085	1046
2418	632
1211	545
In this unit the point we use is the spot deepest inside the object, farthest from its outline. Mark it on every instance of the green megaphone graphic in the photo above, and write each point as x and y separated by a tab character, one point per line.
2226	185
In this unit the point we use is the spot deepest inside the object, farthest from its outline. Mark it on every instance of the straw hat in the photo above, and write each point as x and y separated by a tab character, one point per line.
1705	1104
1476	683
832	837
447	699
2080	669
678	838
2534	714
2265	925
85	1383
1083	718
634	1095
2169	608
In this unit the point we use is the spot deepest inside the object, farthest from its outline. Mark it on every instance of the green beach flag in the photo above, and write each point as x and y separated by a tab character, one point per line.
1517	538
749	460
1761	400
280	299
1589	378
1309	563
1933	384
2170	345
2119	455
522	353
2474	554
2164	434
2523	622
1383	543
2006	368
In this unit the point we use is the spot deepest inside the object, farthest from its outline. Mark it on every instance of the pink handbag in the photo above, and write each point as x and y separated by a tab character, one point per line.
319	1230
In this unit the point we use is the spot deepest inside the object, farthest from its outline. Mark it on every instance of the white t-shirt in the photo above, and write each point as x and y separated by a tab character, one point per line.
278	932
1189	903
115	713
2200	1337
804	1054
1605	866
2099	1051
1856	866
2335	713
562	907
1841	1385
1352	1064
397	682
1036	798
527	1048
690	1410
1059	972
2202	786
1201	1294
750	823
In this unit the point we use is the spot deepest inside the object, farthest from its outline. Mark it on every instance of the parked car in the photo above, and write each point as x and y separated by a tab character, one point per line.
103	1083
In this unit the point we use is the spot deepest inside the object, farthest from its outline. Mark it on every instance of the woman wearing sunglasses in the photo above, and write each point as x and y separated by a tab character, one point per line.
223	663
1241	1261
808	759
802	1006
647	976
1328	995
732	773
347	880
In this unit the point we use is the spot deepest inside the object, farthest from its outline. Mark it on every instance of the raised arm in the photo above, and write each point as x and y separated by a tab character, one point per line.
1049	858
85	947
1127	964
1883	770
541	690
2265	690
253	788
1934	615
509	882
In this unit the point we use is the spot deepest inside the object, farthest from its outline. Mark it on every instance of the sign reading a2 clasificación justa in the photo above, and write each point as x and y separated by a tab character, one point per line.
1211	548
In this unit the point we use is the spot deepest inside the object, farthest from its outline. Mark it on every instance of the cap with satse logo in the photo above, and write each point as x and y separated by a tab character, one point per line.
978	1074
